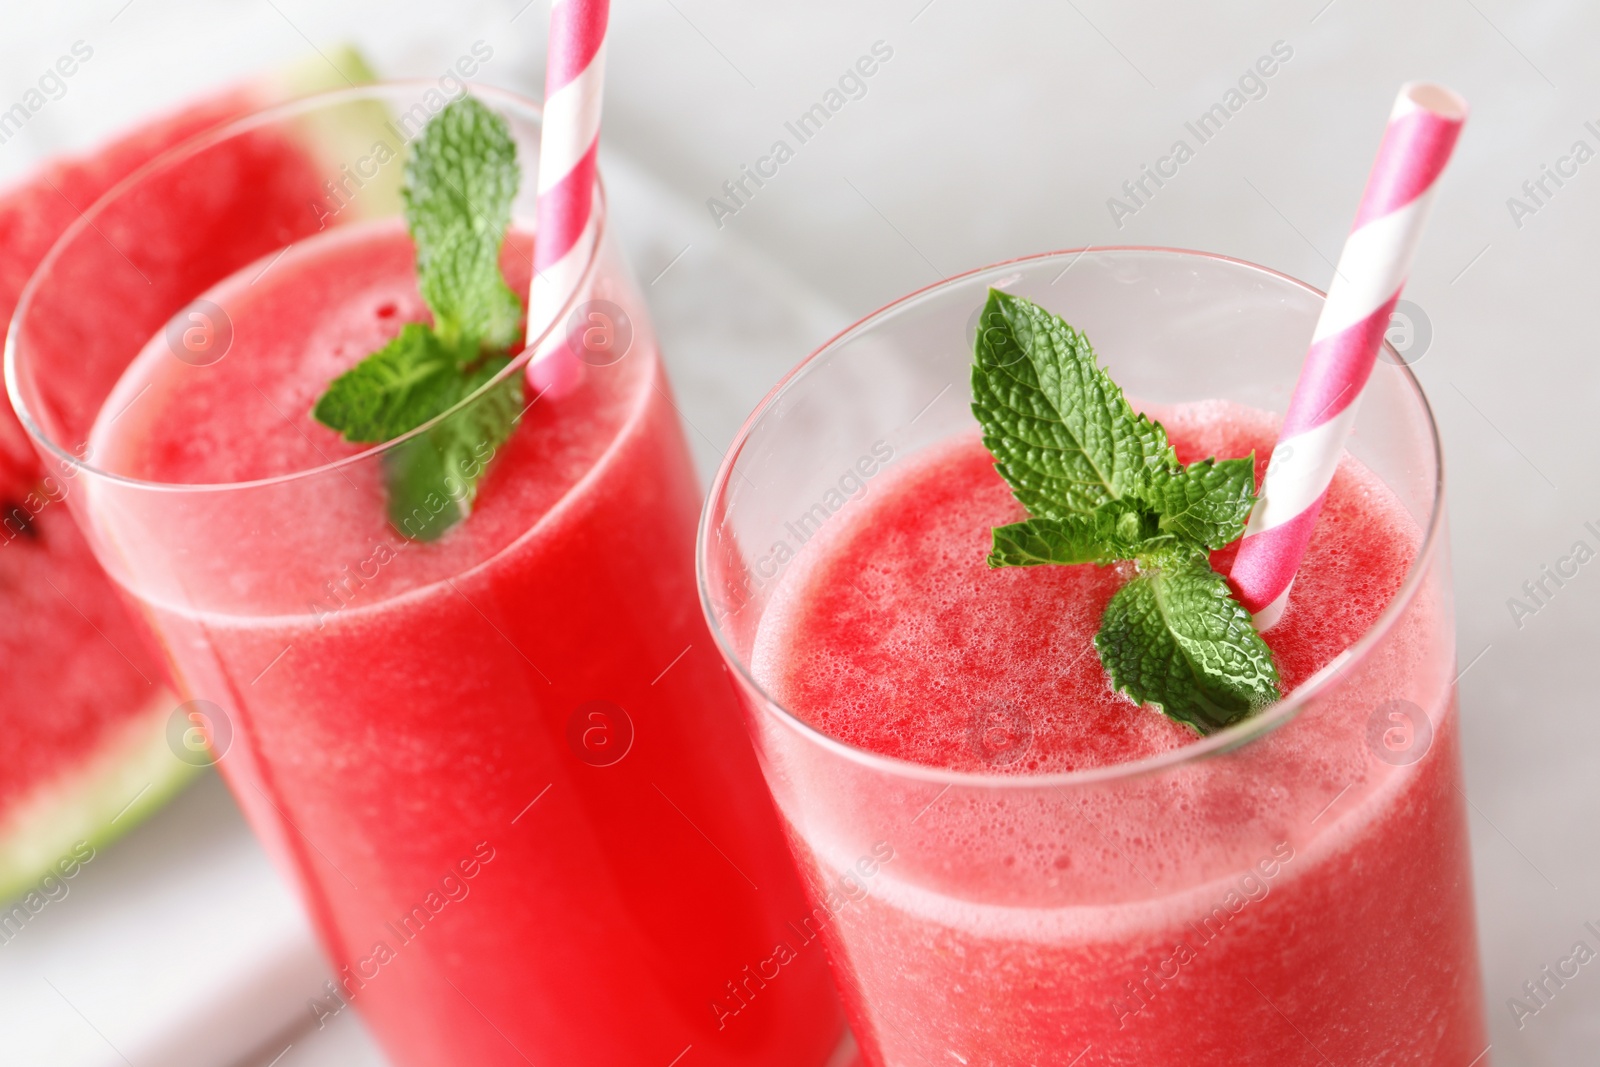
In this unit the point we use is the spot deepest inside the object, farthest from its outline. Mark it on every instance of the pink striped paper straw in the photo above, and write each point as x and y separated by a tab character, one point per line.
574	80
1372	270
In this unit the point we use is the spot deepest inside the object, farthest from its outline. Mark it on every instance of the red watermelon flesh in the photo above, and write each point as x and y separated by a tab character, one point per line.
84	697
37	210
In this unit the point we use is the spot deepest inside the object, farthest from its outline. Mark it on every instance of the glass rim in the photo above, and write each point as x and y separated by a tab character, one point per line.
234	127
1224	740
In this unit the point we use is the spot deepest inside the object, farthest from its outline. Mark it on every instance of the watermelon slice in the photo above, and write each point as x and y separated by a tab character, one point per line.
85	705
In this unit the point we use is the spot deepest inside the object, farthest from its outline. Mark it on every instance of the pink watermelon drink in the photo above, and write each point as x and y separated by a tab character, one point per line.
501	761
1010	862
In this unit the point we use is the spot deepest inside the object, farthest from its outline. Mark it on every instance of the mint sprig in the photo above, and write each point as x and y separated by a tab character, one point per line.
1102	484
459	183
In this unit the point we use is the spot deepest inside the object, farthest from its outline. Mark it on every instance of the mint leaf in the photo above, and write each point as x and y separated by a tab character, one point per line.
459	183
398	388
1075	539
1175	638
1102	484
433	478
1115	531
1061	432
1207	502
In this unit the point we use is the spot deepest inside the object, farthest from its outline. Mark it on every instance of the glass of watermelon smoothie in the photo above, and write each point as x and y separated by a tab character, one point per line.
1010	864
502	762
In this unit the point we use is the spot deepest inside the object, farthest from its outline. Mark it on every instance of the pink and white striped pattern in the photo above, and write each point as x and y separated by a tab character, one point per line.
1372	270
574	80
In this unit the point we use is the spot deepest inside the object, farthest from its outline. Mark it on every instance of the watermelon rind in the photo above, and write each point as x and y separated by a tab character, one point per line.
132	774
343	136
332	68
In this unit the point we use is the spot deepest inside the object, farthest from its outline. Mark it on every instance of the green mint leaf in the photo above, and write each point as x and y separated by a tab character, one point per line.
1061	432
1115	531
1207	502
398	388
459	182
433	478
1175	638
1075	539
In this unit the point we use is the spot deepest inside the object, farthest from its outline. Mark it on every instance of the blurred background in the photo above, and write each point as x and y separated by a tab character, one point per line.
987	131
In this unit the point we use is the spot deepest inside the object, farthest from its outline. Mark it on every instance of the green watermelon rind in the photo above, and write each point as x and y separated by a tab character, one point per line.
126	779
335	68
342	135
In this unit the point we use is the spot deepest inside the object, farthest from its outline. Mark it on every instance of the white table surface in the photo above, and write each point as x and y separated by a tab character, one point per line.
995	130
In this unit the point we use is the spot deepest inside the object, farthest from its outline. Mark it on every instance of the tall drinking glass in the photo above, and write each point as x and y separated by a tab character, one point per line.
500	758
1291	890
